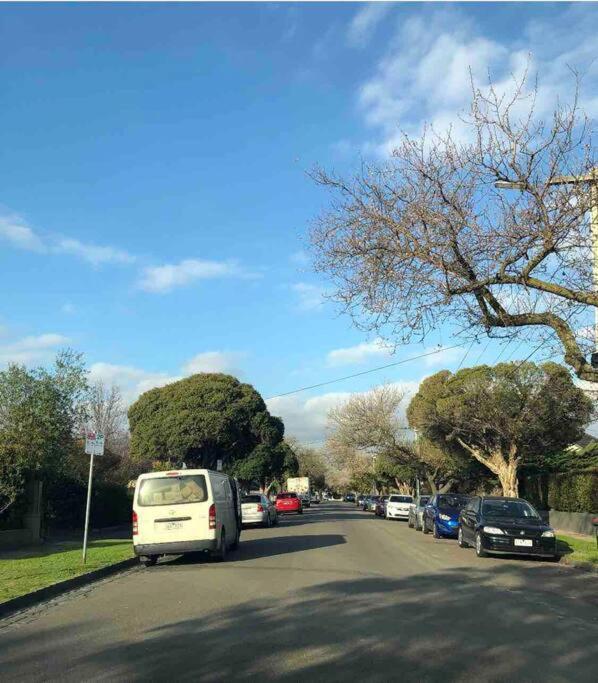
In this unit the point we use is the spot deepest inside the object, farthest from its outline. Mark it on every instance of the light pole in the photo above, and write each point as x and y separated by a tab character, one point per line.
592	179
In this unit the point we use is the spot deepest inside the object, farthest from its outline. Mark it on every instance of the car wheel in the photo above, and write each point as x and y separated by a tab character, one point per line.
300	512
460	540
409	522
436	531
275	520
150	560
425	527
268	522
479	549
417	526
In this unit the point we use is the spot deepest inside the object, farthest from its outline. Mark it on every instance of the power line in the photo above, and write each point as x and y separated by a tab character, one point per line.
465	355
366	372
483	351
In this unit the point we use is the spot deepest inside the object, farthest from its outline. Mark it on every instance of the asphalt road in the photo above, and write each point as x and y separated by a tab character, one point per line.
334	595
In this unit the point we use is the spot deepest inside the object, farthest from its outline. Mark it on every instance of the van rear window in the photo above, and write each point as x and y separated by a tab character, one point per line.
190	488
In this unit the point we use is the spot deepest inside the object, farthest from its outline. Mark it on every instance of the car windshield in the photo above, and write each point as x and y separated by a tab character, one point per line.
509	508
453	500
286	495
187	488
400	499
251	499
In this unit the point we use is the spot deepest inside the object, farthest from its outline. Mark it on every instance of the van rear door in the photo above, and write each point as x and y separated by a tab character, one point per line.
174	507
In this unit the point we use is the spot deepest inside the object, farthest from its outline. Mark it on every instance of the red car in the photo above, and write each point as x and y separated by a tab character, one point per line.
288	502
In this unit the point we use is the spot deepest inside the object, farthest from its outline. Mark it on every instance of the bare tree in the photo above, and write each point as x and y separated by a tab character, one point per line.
106	413
427	237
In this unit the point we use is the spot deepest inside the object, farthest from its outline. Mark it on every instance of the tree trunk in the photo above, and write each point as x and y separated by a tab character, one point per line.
432	484
505	467
507	475
446	487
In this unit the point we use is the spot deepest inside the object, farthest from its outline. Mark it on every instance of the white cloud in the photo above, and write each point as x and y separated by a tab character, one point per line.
15	230
424	75
214	361
365	22
309	297
443	356
131	380
92	253
306	418
32	349
354	355
161	279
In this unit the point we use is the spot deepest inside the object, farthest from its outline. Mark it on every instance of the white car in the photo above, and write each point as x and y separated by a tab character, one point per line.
398	506
185	511
257	509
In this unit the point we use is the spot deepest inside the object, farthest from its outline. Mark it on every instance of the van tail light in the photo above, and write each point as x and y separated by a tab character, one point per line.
135	524
260	507
212	516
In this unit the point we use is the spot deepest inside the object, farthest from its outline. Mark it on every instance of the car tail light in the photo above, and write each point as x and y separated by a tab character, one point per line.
260	508
135	524
212	516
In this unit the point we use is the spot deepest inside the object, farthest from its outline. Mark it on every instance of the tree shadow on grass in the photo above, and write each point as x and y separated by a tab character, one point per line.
455	625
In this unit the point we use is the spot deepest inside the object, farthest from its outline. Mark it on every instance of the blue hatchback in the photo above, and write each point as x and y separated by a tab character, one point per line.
441	514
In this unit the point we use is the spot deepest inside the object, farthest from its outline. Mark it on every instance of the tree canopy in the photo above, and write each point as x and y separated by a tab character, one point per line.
502	415
202	419
426	237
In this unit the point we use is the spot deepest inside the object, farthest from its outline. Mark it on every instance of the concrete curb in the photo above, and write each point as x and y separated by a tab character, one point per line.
21	602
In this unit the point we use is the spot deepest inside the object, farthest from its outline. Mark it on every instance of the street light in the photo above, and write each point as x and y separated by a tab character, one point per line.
592	179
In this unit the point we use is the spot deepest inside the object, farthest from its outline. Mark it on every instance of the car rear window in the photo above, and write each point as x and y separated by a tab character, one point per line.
455	501
286	495
400	499
251	499
186	488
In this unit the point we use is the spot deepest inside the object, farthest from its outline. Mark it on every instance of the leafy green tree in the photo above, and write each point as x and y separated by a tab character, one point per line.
266	465
202	419
39	412
502	416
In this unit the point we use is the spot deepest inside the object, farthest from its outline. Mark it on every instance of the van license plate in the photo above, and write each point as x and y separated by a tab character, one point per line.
171	526
524	542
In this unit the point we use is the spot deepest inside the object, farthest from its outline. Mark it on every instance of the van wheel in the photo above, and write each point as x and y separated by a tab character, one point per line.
220	554
235	543
150	560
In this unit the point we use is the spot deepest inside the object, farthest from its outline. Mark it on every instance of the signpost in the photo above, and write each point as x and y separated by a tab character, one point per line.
94	445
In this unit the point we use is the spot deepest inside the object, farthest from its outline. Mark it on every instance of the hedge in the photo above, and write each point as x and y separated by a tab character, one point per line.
568	492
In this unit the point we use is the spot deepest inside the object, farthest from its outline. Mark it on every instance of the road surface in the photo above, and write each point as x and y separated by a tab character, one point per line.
334	595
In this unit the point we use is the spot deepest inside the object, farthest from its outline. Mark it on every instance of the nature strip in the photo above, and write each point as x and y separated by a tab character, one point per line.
9	607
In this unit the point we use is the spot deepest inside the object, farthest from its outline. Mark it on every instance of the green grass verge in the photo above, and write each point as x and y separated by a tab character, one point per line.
578	550
26	570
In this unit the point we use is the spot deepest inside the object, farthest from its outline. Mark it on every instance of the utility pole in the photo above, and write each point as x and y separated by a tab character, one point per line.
592	179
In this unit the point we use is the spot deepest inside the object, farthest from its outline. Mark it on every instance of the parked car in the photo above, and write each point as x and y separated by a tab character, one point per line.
315	499
185	511
416	511
349	498
505	526
258	509
380	509
359	500
441	514
305	500
287	502
397	506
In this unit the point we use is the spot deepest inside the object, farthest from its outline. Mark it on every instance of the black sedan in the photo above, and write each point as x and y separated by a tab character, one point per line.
505	526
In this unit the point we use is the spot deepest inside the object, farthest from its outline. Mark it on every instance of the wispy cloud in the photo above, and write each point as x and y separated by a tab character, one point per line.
365	22
15	230
165	278
355	355
32	349
309	297
93	253
214	361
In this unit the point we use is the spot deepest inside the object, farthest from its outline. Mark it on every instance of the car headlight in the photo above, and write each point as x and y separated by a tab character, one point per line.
444	517
548	534
493	530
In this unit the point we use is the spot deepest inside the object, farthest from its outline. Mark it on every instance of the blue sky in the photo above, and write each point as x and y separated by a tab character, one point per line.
154	201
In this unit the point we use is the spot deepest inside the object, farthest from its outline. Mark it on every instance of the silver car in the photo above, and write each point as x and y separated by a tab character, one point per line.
258	509
416	512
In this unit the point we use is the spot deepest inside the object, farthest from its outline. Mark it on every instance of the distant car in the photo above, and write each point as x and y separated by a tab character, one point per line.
441	514
380	509
315	499
505	526
287	502
416	510
349	498
371	503
359	500
397	506
305	499
257	509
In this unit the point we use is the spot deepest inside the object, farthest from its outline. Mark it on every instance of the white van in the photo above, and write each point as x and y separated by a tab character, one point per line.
185	511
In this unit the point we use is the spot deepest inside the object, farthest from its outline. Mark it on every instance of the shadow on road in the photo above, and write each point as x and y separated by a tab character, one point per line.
453	625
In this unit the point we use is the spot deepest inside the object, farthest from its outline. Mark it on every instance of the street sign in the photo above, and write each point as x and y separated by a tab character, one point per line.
94	443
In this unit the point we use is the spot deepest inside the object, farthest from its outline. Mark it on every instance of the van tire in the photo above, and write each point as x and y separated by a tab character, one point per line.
235	543
220	554
150	560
